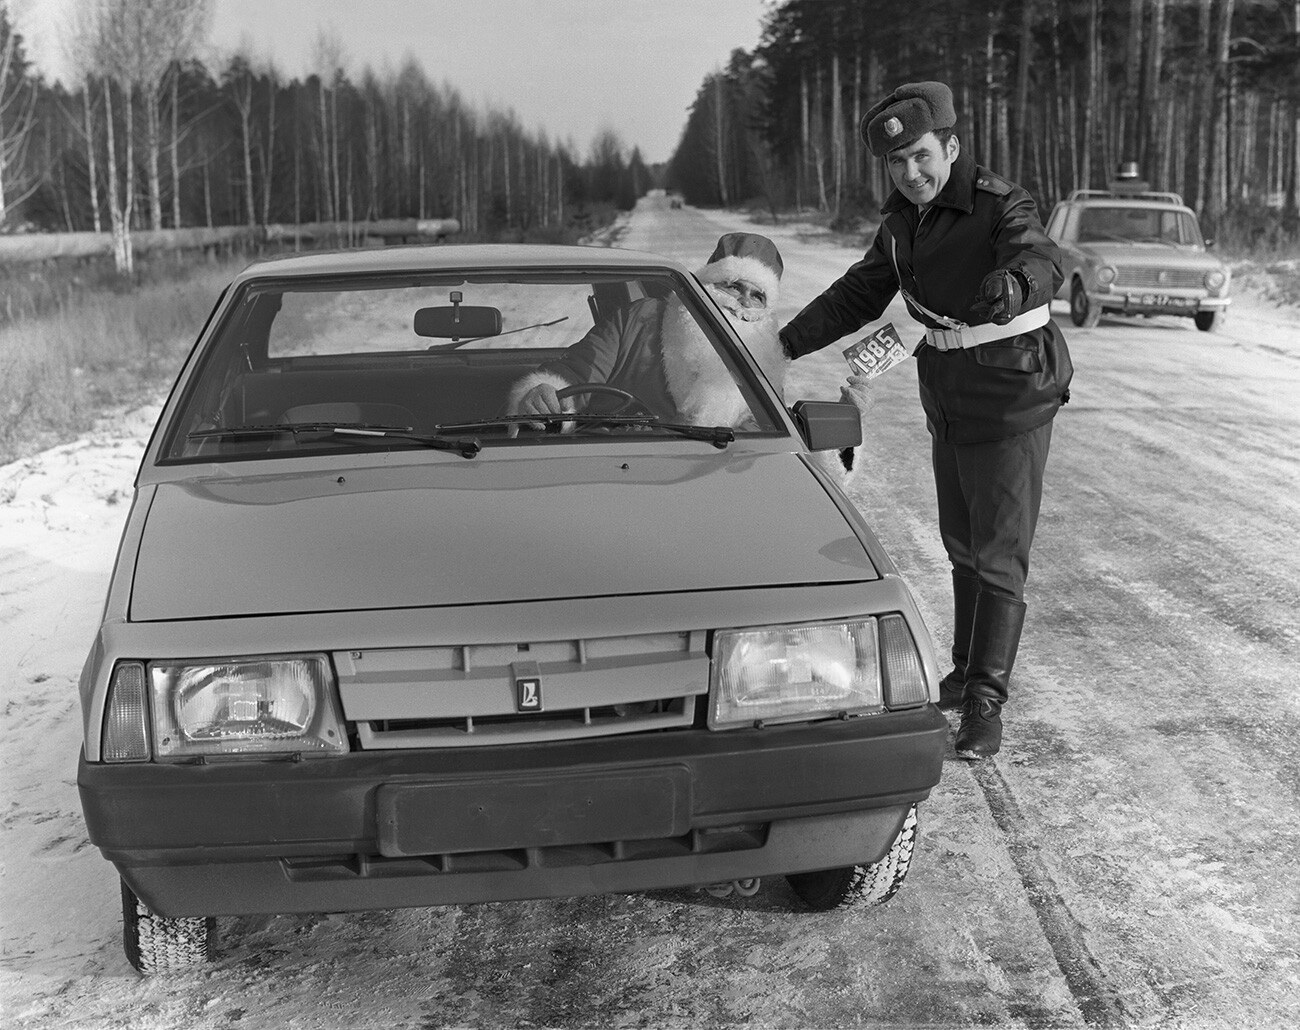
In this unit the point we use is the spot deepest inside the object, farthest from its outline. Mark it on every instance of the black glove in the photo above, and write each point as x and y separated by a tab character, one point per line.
1002	296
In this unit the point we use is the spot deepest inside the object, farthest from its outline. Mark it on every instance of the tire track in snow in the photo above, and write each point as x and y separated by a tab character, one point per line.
1098	1001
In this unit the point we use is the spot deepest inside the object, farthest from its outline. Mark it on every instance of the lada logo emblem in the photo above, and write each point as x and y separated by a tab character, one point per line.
1163	276
528	693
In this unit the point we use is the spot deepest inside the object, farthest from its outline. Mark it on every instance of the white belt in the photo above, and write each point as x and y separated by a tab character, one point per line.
959	336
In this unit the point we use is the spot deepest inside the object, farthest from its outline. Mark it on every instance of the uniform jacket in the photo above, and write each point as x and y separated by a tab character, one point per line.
979	223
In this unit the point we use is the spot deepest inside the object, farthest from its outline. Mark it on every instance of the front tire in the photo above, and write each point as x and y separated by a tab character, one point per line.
156	944
871	884
1083	312
1208	321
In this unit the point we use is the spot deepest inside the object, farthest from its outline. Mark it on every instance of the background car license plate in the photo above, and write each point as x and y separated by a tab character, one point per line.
1160	300
535	811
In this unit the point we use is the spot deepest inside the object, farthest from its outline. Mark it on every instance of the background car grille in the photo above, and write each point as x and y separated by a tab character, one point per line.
1150	278
465	696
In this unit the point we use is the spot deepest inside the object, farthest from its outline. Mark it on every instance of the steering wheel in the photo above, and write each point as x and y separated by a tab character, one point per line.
629	400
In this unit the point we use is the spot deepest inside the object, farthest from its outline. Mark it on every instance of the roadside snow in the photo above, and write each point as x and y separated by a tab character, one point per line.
61	513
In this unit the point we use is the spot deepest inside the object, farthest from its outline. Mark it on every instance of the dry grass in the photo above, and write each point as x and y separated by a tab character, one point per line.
95	350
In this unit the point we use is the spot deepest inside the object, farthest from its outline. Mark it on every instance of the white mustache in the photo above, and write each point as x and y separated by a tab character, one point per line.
732	306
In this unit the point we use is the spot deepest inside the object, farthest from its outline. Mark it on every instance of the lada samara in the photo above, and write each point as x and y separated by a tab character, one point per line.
373	642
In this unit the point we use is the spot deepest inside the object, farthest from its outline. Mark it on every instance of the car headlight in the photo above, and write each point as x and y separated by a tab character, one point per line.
1106	275
1215	278
229	707
797	673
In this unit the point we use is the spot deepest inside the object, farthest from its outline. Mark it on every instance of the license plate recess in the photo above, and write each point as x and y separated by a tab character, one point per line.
537	811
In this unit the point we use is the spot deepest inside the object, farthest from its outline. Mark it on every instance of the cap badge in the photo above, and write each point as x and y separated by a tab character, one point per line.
893	127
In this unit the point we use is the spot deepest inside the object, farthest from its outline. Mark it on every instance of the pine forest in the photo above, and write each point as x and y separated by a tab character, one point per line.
1203	95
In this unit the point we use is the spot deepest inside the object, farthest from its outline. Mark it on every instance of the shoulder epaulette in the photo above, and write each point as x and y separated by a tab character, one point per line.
990	183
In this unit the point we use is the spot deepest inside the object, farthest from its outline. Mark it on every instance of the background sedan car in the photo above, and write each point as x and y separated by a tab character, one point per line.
1136	253
373	642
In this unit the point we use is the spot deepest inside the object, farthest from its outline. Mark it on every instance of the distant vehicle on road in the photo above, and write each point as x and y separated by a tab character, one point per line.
371	642
1135	252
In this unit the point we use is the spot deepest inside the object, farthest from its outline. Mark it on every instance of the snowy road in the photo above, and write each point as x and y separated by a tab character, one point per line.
1130	858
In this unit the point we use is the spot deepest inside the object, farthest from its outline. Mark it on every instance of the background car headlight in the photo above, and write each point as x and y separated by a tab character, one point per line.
797	673
1106	275
245	705
1215	278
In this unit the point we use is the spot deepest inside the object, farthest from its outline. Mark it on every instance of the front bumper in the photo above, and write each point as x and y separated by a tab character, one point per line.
375	830
1148	302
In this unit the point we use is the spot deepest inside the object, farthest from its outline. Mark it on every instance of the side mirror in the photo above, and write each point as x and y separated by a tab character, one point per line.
828	425
457	322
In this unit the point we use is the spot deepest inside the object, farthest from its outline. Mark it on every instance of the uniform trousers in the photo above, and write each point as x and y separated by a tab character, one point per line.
989	495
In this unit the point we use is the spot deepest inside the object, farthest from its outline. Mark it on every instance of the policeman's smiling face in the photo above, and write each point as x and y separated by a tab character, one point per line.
921	169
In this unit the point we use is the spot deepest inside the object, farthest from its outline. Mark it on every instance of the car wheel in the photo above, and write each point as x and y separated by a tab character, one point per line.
1207	321
871	884
154	944
1083	313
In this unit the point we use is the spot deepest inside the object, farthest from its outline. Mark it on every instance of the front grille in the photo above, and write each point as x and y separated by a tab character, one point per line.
1151	278
465	696
496	729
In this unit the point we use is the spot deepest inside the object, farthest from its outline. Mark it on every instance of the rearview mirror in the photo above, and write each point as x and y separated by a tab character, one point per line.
457	322
828	425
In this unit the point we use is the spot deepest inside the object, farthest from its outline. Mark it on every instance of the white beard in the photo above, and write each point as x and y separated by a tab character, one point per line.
758	331
698	381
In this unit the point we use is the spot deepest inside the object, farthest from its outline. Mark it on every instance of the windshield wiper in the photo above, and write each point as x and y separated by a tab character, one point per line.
467	447
270	428
719	436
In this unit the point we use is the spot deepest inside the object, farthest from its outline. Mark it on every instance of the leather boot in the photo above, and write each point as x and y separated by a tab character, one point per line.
952	688
995	638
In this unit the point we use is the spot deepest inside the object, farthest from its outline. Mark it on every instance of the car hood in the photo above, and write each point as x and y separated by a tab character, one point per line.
485	531
1146	254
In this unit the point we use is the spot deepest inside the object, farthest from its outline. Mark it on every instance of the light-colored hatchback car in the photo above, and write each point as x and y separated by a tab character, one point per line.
370	642
1134	252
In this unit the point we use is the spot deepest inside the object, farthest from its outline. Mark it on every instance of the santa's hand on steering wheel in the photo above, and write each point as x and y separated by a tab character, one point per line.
543	399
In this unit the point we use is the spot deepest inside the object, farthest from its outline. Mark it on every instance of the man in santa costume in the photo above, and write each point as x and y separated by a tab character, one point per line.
655	349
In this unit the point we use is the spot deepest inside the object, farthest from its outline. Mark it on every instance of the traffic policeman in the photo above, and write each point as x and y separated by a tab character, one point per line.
967	250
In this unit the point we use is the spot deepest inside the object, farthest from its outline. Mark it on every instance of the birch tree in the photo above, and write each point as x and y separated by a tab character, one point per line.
93	45
272	76
17	100
148	38
328	61
239	84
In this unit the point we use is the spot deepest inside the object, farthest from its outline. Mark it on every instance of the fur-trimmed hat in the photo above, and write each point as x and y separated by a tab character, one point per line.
747	256
907	114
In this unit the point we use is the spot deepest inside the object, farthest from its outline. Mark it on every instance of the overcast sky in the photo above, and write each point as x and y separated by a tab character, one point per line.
569	67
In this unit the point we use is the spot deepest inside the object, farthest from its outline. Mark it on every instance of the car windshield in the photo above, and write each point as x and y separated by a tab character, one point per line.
1130	224
441	360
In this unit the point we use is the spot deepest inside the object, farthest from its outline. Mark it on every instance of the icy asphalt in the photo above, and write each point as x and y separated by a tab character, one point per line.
1132	858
